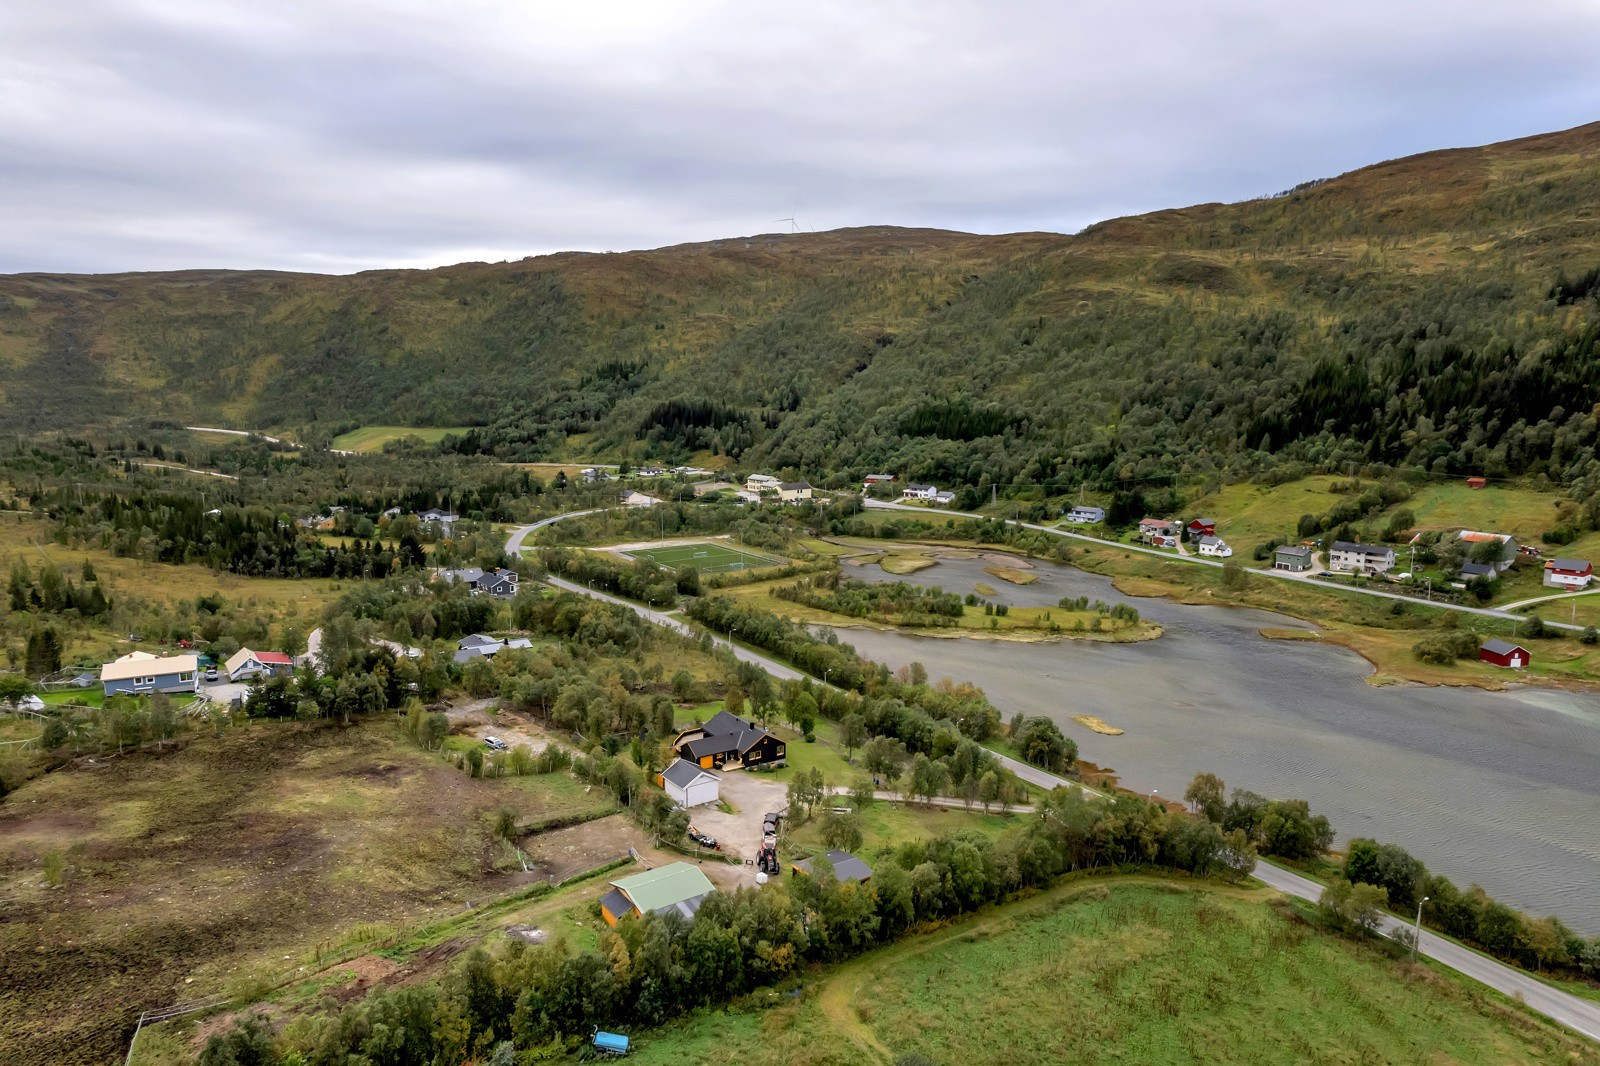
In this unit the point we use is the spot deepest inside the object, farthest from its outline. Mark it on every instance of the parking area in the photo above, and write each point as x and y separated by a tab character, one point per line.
751	796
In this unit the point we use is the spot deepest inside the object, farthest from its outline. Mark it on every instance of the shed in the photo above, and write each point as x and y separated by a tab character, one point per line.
677	886
688	784
1504	653
1477	482
846	867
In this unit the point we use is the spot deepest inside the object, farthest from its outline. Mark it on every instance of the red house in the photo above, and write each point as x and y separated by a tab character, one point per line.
1203	527
1504	653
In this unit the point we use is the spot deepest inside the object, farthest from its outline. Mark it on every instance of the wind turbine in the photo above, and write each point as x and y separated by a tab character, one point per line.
794	227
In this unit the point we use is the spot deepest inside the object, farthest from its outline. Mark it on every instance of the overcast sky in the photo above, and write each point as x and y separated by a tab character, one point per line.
337	135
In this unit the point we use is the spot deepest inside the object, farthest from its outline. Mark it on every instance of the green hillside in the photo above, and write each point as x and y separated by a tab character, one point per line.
1438	310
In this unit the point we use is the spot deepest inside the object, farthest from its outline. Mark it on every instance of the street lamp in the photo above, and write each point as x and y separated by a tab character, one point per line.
1416	933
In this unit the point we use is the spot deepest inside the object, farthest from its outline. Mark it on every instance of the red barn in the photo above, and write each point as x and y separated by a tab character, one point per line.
1203	527
1504	653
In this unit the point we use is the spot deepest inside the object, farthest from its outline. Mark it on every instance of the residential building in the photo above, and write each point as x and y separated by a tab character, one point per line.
921	492
1202	527
442	521
590	475
140	673
1158	531
652	471
1471	571
677	886
483	646
1215	547
793	491
875	479
1360	558
728	742
846	867
1504	653
245	664
1085	515
497	582
1568	573
687	784
1295	558
1508	546
759	483
632	498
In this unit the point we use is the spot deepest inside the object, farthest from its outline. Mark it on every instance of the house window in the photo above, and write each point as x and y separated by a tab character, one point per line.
185	678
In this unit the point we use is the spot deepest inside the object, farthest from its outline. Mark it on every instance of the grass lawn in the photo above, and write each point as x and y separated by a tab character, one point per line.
1128	970
1524	513
373	438
1248	514
218	859
886	824
708	557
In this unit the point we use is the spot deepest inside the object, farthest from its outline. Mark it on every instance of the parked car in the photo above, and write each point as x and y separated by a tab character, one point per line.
211	673
494	743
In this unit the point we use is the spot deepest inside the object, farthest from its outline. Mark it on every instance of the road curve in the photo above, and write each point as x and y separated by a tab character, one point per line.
1282	575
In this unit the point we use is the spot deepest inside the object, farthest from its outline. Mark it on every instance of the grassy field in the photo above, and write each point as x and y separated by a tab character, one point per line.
1127	970
708	557
239	855
373	438
1249	514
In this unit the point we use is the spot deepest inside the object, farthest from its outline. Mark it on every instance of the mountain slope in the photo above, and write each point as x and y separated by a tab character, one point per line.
1319	324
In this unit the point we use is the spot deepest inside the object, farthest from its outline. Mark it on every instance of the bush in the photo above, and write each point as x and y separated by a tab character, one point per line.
1588	636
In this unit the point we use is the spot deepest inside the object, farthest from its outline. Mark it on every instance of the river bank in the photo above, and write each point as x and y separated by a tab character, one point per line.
1497	788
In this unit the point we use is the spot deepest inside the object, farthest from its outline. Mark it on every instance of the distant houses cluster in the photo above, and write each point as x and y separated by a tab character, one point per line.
1202	532
499	582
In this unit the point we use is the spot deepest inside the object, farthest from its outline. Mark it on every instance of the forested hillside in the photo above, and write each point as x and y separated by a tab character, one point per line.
1440	310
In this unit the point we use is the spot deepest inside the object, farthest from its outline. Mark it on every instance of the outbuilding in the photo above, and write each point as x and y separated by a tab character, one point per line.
1504	653
846	867
687	784
677	886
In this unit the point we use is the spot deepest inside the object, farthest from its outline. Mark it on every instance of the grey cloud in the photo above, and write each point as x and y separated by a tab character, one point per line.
340	135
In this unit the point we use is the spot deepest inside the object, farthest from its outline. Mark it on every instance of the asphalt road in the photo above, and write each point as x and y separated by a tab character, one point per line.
1579	1014
1192	560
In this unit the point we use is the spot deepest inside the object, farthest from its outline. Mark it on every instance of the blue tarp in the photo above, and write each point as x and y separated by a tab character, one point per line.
613	1042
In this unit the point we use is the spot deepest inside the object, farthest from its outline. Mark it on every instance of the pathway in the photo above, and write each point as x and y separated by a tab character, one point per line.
1546	599
239	433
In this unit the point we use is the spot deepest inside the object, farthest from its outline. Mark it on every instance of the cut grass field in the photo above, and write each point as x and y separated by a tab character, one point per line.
1128	970
708	557
187	871
373	438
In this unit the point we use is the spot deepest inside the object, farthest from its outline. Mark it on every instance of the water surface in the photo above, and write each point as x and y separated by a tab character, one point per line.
1497	788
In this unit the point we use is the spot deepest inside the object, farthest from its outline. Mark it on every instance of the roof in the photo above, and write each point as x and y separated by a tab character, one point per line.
469	574
615	902
846	867
477	640
136	656
1162	522
1204	522
1298	550
922	488
723	722
1086	509
665	886
265	658
1575	565
1364	549
794	485
1209	541
1478	570
1483	538
683	773
1502	647
127	667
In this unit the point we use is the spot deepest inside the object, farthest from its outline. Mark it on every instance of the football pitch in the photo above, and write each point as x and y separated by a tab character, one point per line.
708	558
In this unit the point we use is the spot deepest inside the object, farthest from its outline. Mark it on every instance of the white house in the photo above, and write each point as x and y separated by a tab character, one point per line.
1215	547
688	785
245	664
1085	515
759	483
921	492
793	491
1348	555
632	498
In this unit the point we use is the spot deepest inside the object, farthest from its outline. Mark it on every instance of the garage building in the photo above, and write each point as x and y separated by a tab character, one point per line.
688	784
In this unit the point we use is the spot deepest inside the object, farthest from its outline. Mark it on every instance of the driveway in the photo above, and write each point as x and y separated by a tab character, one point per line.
752	796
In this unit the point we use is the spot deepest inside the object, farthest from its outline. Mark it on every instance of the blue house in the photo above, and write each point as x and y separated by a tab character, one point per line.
140	673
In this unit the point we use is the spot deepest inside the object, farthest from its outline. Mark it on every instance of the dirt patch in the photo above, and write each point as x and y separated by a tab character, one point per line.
363	972
752	796
563	853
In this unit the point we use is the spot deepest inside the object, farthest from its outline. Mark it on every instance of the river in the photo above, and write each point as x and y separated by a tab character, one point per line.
1497	788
